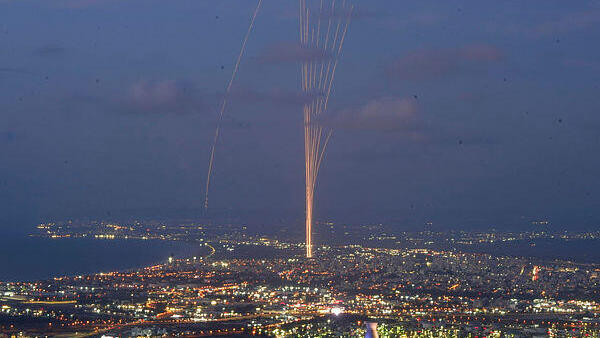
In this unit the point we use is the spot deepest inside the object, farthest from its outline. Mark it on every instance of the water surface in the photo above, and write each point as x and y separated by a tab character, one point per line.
24	258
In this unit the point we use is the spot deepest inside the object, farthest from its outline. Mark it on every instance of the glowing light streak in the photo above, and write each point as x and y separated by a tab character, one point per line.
224	103
317	82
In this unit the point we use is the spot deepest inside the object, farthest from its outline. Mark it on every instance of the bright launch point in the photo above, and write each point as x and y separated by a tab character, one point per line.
337	311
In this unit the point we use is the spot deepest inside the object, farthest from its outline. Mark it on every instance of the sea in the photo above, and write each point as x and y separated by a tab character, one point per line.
575	250
25	258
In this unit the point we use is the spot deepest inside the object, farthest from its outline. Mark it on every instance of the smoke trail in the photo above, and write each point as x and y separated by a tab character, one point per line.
224	103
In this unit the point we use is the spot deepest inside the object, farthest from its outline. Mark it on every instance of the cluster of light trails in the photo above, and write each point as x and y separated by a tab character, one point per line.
323	33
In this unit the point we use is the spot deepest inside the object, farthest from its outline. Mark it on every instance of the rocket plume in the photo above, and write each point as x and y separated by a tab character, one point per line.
326	31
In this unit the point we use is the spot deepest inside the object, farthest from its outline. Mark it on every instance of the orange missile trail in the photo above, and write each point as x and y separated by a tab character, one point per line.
224	103
453	287
317	82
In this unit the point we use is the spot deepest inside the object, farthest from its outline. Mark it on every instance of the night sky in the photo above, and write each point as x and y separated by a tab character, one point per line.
465	113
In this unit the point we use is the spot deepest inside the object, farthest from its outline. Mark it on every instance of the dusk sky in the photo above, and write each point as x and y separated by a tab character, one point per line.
465	113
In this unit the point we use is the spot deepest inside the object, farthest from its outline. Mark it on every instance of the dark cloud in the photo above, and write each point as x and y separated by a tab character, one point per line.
583	64
339	12
561	24
458	135
359	13
10	70
429	63
7	137
166	97
233	123
568	23
277	97
289	52
79	4
163	97
404	117
49	50
461	108
383	114
77	103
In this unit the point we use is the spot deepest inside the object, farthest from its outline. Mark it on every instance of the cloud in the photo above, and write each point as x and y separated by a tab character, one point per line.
233	123
277	97
407	20
358	13
79	4
7	136
383	114
404	117
288	52
343	12
429	63
458	134
11	70
163	97
570	22
582	64
49	50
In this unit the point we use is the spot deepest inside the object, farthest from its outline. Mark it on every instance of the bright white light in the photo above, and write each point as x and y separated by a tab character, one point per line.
337	311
